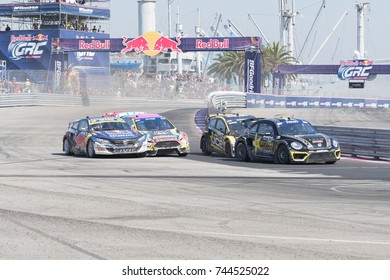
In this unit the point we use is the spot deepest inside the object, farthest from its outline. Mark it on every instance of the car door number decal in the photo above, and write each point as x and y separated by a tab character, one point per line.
216	141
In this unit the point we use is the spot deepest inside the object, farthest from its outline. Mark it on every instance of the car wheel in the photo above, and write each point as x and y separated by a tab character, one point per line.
66	147
141	155
90	149
151	154
228	149
331	162
283	155
204	147
241	152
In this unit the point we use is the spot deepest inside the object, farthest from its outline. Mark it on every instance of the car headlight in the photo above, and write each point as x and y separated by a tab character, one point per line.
182	136
102	141
296	145
142	138
335	143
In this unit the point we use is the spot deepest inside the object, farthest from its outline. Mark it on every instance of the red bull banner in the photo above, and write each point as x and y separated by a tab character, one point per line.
153	43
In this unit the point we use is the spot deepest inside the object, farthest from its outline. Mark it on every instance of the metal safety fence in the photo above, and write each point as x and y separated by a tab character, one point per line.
373	143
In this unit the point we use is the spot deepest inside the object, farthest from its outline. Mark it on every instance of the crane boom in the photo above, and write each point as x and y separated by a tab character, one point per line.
330	35
311	28
258	28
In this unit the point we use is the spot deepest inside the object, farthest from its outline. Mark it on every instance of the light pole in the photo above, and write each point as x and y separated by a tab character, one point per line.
169	18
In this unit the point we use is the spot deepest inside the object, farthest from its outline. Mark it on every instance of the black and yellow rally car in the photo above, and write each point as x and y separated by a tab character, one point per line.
221	133
286	140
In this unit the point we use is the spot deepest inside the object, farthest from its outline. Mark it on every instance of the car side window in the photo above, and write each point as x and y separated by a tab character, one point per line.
83	125
220	126
75	125
212	123
254	128
266	128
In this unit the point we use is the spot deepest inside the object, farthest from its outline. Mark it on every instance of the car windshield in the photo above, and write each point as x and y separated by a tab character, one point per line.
296	128
153	124
110	126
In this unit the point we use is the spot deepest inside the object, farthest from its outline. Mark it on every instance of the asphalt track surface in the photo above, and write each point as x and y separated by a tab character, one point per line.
54	206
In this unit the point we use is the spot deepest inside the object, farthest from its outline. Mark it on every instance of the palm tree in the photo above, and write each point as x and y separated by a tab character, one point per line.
274	55
229	65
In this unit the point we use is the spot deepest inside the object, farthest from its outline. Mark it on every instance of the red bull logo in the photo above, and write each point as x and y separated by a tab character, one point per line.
356	63
151	44
40	37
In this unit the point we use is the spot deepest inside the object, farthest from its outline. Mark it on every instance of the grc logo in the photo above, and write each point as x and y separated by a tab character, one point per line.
28	50
27	46
151	44
355	70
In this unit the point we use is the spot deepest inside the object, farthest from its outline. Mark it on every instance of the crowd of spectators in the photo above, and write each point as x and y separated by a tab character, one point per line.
124	83
188	86
14	86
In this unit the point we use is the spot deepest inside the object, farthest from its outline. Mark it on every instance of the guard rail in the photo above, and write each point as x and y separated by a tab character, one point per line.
222	101
373	143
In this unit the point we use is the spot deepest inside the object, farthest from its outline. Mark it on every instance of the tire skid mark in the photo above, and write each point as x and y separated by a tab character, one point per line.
55	239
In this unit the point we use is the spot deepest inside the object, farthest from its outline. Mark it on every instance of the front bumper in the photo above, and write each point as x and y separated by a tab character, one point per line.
165	147
110	149
315	156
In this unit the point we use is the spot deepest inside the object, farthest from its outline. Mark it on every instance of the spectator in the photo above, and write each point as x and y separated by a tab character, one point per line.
8	28
94	29
27	86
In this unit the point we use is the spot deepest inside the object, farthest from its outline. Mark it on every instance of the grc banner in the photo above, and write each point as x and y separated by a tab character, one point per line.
152	43
355	69
252	76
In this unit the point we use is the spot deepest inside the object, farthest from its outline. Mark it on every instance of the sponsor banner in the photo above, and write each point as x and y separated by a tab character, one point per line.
325	102
354	69
155	43
220	43
33	50
276	101
253	100
27	49
252	75
60	65
384	104
371	103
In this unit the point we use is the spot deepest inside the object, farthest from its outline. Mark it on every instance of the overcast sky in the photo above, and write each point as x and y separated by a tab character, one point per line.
341	46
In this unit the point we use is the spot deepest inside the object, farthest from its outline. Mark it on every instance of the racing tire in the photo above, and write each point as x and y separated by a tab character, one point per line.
204	147
183	154
151	154
331	162
90	149
282	155
141	155
241	152
66	147
228	149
